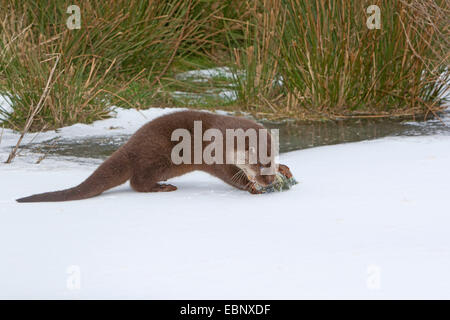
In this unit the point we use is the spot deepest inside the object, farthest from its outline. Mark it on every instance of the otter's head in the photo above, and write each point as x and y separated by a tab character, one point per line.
258	170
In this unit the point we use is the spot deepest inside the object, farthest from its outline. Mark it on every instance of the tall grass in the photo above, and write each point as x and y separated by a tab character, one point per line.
74	91
334	66
340	67
255	61
119	42
296	58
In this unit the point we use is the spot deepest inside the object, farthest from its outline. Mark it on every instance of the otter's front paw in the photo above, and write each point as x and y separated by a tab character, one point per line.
285	171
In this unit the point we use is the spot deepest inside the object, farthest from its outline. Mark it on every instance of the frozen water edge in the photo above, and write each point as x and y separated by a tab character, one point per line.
376	205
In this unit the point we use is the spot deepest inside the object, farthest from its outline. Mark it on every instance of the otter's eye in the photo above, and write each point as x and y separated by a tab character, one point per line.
252	150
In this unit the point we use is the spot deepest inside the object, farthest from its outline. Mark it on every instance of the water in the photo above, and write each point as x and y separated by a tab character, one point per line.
293	135
301	135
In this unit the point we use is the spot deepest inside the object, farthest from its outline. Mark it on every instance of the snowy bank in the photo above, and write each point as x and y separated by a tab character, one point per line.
122	122
368	220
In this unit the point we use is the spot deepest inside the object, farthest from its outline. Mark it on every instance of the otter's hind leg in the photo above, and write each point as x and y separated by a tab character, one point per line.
145	179
149	185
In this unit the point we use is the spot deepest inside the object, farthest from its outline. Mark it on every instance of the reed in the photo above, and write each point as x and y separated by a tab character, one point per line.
119	43
310	59
333	65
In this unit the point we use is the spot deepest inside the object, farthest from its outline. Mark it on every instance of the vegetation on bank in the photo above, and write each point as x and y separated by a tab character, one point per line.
289	58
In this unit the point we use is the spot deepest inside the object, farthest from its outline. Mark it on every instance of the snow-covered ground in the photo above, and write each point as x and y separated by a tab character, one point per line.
367	220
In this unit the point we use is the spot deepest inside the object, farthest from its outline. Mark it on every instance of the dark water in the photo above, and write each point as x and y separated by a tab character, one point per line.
301	135
293	135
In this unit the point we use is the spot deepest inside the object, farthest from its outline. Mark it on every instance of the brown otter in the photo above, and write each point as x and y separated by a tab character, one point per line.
146	160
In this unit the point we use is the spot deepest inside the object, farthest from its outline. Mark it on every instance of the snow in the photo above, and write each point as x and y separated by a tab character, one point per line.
5	107
367	220
228	95
203	75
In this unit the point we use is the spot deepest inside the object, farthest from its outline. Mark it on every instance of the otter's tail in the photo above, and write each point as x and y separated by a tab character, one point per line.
113	172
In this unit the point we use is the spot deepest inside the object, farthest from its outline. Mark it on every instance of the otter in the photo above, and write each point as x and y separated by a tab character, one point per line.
145	160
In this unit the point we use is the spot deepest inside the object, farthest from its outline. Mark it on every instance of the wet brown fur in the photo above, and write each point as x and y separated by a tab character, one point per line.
145	159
